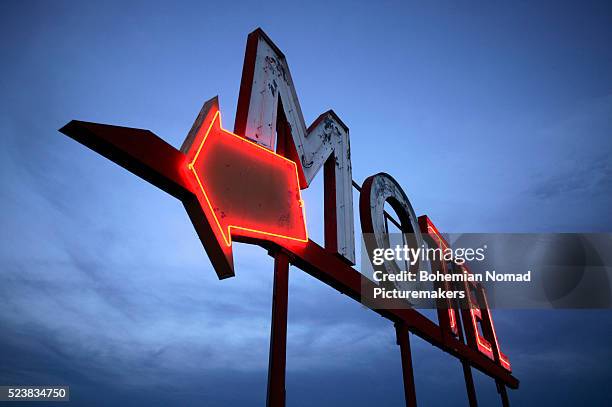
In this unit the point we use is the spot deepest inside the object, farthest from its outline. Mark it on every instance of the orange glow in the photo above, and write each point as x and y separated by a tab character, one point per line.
268	157
432	230
483	345
502	358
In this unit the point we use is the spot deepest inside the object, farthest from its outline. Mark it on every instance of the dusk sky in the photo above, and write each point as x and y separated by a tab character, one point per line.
492	117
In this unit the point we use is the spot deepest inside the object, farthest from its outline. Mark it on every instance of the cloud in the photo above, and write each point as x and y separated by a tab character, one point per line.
589	178
578	155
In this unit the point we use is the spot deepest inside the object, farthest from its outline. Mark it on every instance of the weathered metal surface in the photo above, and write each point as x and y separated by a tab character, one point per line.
267	97
377	190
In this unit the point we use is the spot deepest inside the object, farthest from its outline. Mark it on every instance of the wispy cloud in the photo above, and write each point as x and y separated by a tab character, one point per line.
589	178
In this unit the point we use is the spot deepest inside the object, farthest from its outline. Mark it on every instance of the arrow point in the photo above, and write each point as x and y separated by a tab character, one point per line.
202	216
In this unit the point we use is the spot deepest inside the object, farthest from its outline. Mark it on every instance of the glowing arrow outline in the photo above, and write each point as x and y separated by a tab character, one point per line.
228	239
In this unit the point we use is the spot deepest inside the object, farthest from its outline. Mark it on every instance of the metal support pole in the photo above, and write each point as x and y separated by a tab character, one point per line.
403	340
501	389
278	332
469	384
467	369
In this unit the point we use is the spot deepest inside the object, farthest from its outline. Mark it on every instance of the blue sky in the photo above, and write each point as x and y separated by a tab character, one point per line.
493	117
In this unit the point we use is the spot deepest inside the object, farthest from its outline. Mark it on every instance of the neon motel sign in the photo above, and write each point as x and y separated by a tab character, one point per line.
246	186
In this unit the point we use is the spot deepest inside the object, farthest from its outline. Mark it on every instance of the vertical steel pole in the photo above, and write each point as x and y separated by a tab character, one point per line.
469	383
278	332
488	330
403	340
467	369
501	389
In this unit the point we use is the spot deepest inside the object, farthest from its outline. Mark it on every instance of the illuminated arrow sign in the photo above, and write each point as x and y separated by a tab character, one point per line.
230	186
244	189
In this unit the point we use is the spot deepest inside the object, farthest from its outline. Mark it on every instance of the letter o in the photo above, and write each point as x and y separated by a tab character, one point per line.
375	191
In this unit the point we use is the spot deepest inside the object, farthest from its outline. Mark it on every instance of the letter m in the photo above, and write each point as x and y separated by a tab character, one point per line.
269	113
